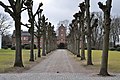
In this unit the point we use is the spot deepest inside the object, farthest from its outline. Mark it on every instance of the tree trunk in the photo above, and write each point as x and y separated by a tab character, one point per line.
18	55
107	21
104	63
114	41
83	47
89	52
38	41
32	42
47	45
15	12
44	43
82	33
78	47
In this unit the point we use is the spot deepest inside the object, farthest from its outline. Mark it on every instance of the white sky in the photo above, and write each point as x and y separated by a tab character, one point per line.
59	10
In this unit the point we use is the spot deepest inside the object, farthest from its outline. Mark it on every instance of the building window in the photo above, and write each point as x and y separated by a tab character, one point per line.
35	40
61	29
61	34
25	38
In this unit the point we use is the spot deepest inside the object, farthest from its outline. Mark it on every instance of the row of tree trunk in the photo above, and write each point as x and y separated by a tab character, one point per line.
44	30
81	32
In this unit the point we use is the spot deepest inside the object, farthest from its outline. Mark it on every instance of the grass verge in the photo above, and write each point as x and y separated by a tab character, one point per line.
113	63
7	61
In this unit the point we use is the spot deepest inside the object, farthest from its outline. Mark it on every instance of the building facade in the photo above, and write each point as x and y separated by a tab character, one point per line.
25	39
61	38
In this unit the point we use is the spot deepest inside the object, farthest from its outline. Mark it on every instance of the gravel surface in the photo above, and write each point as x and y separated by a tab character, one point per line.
60	61
54	76
60	65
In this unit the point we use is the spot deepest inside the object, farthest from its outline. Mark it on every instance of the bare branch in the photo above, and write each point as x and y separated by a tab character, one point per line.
7	9
24	8
35	34
95	24
12	3
101	6
25	25
91	17
38	9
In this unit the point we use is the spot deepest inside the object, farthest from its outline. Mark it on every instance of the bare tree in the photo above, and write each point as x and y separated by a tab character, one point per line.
114	30
38	33
97	32
14	9
77	30
29	4
106	25
6	41
82	8
5	24
44	28
89	52
71	39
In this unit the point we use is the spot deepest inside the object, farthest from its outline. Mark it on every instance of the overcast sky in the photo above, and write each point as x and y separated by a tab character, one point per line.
59	10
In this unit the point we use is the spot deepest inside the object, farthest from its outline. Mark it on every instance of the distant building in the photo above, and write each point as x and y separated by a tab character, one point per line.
61	38
25	39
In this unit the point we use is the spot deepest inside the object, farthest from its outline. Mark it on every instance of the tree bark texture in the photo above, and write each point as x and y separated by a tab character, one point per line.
89	51
107	21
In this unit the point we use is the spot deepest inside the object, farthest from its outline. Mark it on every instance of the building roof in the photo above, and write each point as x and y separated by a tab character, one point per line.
25	33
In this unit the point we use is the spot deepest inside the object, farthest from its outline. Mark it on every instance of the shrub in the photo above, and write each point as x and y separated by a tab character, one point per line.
27	46
112	49
35	46
13	48
23	46
118	49
9	46
93	48
116	46
5	47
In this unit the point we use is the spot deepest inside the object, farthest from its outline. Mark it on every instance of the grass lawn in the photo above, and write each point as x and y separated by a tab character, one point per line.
114	60
7	59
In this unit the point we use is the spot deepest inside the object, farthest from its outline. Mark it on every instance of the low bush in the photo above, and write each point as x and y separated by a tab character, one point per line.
112	49
27	46
13	48
35	46
5	47
9	46
118	49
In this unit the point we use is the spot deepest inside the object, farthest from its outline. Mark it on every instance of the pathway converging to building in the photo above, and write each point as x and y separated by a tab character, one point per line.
60	61
59	65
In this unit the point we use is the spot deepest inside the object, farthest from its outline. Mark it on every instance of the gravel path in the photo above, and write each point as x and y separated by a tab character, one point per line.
60	65
58	62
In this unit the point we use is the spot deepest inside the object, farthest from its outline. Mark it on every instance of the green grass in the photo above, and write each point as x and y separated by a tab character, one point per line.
114	60
7	58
